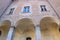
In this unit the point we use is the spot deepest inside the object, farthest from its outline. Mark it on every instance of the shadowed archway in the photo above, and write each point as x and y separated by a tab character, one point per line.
25	25
24	28
4	28
49	28
49	23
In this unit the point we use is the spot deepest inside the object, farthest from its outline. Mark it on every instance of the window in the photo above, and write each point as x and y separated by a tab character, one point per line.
28	38
11	11
43	8
0	33
26	9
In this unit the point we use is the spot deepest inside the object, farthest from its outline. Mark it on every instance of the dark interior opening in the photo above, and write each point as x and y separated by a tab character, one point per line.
28	38
0	32
59	29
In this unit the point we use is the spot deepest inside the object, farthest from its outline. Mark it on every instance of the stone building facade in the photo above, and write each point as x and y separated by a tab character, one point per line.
29	20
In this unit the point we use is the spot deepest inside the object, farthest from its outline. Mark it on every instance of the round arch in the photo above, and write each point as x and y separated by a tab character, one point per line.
49	23
4	28
6	23
25	25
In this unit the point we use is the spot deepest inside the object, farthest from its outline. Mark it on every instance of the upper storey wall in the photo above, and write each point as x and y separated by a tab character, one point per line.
56	5
34	14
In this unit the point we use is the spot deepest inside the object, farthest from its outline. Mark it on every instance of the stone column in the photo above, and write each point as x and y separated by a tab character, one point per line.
10	34
38	33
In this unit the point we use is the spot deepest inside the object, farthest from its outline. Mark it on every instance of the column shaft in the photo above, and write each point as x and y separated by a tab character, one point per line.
10	34
38	33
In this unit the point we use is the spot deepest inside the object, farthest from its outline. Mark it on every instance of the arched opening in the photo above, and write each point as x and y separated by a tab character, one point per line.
49	28
25	25
4	29
28	38
25	28
49	23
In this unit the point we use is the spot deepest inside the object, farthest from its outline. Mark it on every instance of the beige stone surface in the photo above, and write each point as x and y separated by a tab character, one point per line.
25	23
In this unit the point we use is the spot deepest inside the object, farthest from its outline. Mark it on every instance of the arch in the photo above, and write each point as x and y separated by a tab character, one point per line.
48	23
4	28
6	23
25	25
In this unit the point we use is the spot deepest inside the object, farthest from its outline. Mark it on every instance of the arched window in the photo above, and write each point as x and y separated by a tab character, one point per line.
28	38
0	32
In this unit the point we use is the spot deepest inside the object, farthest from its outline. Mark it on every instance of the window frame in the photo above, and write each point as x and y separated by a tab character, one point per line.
43	8
26	9
26	13
8	10
10	13
27	4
